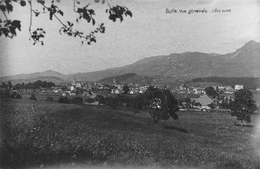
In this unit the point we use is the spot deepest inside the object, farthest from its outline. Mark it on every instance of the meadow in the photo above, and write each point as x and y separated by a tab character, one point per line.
38	134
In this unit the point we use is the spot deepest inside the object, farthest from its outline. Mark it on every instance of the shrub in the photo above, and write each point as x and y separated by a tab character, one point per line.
77	100
50	99
244	105
64	100
89	100
32	97
16	95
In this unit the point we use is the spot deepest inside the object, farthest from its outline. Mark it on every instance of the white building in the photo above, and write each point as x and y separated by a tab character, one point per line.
238	87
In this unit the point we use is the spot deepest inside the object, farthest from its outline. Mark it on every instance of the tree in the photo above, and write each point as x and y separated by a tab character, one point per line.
50	99
8	27
126	89
162	104
243	106
9	84
32	97
3	85
89	100
211	92
77	100
64	100
188	103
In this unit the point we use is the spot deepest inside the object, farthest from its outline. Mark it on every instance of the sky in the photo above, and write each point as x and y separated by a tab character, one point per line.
150	32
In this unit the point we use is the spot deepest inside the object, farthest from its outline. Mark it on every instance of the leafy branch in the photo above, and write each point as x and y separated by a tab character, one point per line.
8	27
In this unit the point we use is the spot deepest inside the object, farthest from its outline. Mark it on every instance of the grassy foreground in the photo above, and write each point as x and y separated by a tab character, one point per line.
54	134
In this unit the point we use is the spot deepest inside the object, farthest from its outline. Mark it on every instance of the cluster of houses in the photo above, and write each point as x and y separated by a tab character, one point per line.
92	89
196	94
183	88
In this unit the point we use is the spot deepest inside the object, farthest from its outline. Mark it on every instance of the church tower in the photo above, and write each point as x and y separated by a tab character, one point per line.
74	81
114	80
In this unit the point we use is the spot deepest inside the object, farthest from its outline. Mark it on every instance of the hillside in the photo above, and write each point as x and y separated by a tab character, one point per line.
244	62
49	75
120	78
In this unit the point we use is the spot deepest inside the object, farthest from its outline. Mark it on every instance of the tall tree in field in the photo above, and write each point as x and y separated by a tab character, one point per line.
162	104
243	106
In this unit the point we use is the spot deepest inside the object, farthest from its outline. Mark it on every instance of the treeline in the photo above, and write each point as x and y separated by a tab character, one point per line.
247	82
36	85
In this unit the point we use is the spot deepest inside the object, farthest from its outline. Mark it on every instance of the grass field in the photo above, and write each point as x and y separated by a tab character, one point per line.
69	136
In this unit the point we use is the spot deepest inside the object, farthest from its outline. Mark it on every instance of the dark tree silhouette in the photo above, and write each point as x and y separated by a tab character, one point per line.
9	84
162	104
211	92
243	106
126	89
64	100
9	27
32	97
3	85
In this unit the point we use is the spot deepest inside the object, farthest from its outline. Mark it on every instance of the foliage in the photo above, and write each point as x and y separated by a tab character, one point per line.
211	92
32	97
244	105
3	85
77	100
225	103
100	99
16	95
35	85
112	102
64	100
6	93
9	27
162	104
188	102
50	99
126	89
89	100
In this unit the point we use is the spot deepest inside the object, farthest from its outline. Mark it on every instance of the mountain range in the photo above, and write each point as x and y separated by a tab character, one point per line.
244	62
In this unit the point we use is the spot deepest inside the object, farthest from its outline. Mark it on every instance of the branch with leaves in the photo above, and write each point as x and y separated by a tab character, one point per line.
9	27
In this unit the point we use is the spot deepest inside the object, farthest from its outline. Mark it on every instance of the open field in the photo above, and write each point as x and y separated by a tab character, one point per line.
72	136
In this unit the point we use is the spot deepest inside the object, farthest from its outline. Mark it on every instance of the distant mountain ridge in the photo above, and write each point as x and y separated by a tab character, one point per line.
244	62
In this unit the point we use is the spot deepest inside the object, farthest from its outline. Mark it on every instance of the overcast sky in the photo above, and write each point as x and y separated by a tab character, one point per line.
150	32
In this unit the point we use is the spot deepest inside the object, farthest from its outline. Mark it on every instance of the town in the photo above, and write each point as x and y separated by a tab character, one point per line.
189	97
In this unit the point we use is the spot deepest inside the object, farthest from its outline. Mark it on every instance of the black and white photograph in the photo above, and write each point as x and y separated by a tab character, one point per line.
140	84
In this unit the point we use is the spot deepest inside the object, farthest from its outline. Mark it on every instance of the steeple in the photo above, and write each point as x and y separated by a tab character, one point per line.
74	81
114	80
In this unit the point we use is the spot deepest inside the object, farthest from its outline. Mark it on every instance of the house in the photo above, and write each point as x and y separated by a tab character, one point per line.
238	87
204	100
78	85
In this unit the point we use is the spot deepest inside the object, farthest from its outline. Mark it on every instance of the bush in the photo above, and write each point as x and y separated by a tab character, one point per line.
32	97
100	99
50	99
77	100
64	100
89	100
16	95
111	102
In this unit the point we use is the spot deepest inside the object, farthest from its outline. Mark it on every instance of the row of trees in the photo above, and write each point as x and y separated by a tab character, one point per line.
36	85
